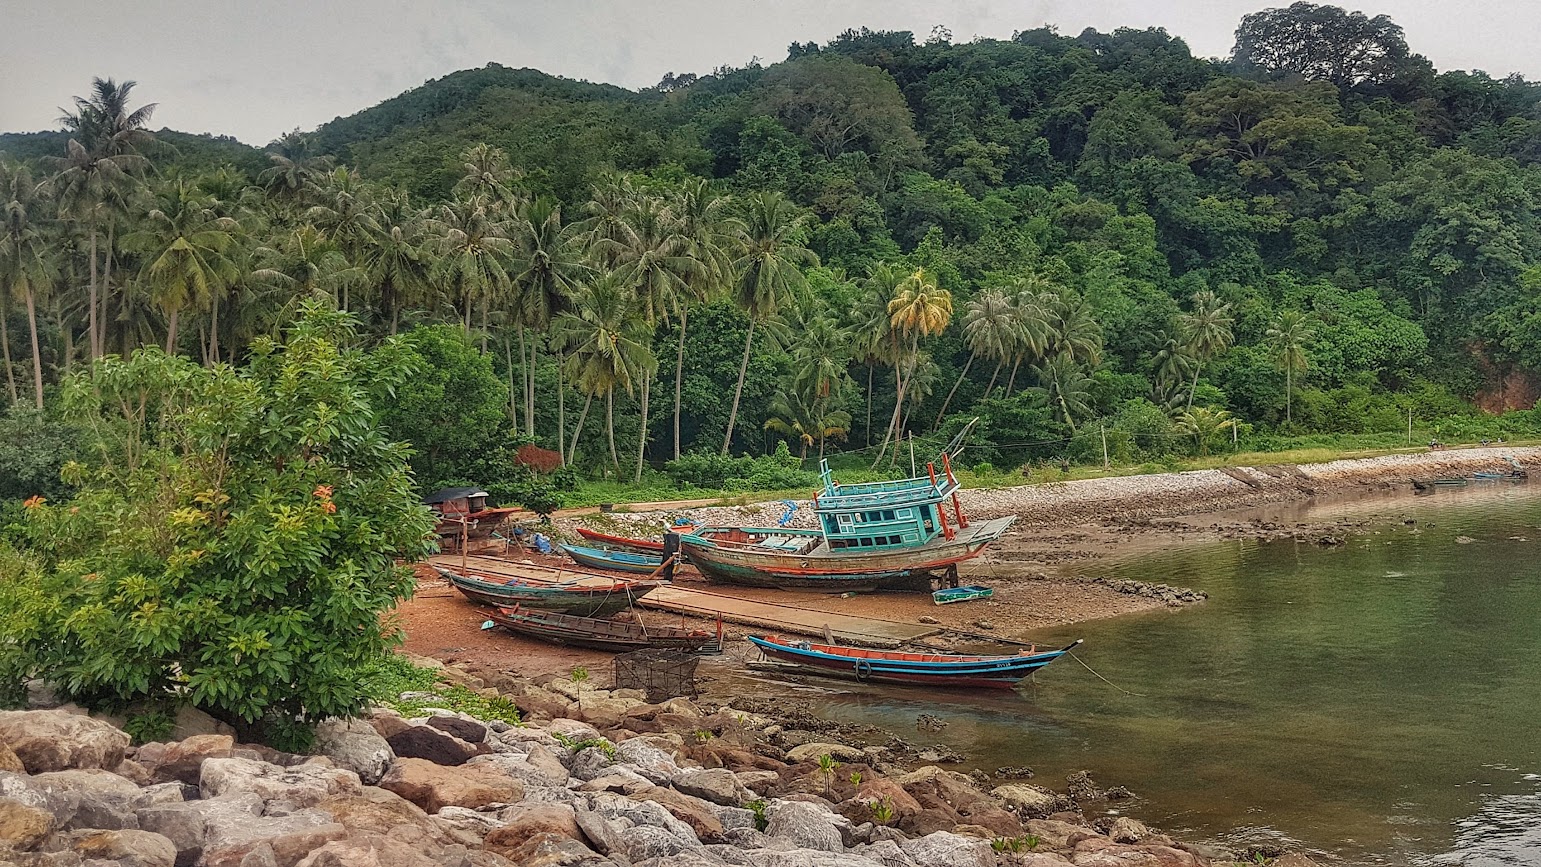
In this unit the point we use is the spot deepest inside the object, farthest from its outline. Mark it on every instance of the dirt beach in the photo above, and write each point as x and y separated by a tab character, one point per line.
1038	571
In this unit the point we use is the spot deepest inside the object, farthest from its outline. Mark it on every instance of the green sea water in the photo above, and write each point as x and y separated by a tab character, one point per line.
1378	702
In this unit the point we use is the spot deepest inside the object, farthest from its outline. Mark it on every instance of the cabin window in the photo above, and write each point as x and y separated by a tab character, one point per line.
894	540
866	543
888	514
911	537
906	513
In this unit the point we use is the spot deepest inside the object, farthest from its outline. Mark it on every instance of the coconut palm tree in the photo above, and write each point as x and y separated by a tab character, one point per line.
549	265
1204	424
607	347
346	215
920	308
1031	297
26	265
1173	363
186	249
474	251
1288	335
793	417
1206	332
1066	387
487	176
873	339
304	263
713	237
395	258
990	330
819	360
767	273
293	170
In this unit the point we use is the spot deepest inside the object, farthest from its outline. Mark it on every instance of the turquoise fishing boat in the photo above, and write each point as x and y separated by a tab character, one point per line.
622	561
949	595
881	535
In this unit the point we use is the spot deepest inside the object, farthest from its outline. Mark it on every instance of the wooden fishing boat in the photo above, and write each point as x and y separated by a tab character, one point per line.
915	669
582	596
612	635
646	546
465	513
1441	482
624	561
1498	475
949	595
889	535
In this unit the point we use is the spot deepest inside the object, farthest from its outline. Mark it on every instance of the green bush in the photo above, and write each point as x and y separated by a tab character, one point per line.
711	471
234	539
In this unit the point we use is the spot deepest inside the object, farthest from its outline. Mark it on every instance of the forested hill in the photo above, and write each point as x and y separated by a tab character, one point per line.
1375	189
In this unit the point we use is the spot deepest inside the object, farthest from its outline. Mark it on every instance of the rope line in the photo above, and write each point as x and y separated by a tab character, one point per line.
1103	679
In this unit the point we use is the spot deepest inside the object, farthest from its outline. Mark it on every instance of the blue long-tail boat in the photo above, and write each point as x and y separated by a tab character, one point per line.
901	667
891	535
623	561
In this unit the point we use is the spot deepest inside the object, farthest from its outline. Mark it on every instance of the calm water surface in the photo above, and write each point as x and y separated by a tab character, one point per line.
1378	702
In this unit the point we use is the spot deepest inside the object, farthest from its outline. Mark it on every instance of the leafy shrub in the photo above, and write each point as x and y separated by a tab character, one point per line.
711	471
234	540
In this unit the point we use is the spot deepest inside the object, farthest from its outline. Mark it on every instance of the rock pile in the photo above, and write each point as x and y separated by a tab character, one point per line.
592	778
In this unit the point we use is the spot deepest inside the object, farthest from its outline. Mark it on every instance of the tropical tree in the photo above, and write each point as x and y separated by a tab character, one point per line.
186	250
712	236
1206	332
486	176
873	340
794	417
920	308
548	264
294	169
1031	299
990	330
1288	335
26	266
474	251
819	361
395	259
1204	425
1066	387
767	272
607	347
347	216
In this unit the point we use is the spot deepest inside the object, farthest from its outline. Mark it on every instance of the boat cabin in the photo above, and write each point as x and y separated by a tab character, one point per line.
457	502
905	513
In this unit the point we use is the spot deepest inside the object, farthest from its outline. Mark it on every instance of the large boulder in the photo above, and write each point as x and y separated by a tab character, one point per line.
813	751
718	785
355	745
603	835
23	826
943	849
537	766
370	850
470	731
525	821
642	842
101	800
646	759
187	824
288	838
874	795
182	761
53	740
698	814
300	786
379	811
9	761
128	848
803	826
1027	800
426	742
432	786
191	721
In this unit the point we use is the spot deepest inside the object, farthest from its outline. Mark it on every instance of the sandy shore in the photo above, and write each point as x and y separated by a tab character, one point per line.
1038	571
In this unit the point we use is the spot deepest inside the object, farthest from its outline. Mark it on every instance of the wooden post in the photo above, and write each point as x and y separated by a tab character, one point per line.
1233	434
1104	431
464	533
829	635
912	454
1409	425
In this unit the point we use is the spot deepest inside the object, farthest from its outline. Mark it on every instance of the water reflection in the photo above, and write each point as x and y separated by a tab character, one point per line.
1363	700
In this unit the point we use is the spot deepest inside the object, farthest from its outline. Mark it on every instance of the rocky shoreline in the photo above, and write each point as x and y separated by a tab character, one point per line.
589	776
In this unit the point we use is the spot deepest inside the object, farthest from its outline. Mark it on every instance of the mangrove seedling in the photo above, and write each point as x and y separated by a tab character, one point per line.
856	778
757	807
883	811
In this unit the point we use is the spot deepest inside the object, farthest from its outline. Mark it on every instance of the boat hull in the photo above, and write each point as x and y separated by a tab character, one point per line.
577	601
622	561
646	546
599	634
907	669
834	572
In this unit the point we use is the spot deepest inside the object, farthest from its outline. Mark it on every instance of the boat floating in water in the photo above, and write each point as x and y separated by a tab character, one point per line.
580	595
900	667
613	635
881	535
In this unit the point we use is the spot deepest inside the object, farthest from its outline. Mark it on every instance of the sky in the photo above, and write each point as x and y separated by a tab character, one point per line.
255	69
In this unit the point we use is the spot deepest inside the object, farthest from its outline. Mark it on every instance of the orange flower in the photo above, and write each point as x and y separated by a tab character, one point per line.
322	492
33	502
331	508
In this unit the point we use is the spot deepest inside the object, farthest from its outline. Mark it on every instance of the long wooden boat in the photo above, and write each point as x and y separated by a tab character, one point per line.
584	598
612	635
913	669
648	546
624	561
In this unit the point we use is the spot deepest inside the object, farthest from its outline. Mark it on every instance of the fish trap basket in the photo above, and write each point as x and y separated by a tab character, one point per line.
661	674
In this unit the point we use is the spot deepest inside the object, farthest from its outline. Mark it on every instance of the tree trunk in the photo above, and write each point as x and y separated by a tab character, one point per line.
615	456
529	391
106	291
993	375
561	412
485	304
37	357
1012	382
868	435
955	385
344	305
572	450
5	349
214	328
901	385
1288	393
508	359
647	387
679	376
1195	387
738	392
91	324
171	331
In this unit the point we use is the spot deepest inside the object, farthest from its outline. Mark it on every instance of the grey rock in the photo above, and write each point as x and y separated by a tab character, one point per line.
885	852
717	785
688	858
355	746
476	822
641	813
128	848
804	858
54	740
803	826
647	760
20	790
735	817
590	763
302	785
746	838
643	842
426	742
601	833
944	849
538	767
104	800
187	824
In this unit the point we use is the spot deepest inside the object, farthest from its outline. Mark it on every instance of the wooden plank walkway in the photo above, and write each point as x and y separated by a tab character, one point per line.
846	628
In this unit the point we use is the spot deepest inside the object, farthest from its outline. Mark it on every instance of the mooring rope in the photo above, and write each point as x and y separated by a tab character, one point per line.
1103	679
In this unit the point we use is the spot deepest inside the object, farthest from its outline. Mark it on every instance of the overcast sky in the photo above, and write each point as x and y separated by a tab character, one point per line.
257	68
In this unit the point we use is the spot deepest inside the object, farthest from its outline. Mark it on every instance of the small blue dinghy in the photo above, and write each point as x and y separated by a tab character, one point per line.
623	561
949	595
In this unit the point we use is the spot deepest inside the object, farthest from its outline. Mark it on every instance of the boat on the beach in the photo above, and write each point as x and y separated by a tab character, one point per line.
902	667
612	635
584	596
463	513
628	543
620	560
949	595
890	535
